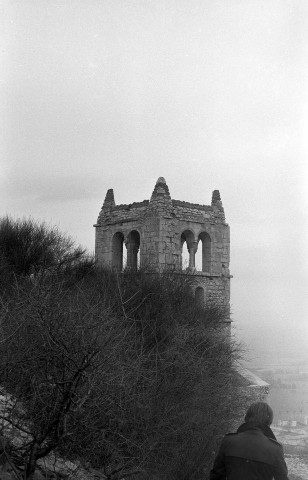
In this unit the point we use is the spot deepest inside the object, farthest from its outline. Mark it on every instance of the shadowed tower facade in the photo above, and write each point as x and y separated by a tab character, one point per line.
168	234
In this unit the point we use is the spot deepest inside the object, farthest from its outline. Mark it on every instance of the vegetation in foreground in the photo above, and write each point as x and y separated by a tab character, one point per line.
125	373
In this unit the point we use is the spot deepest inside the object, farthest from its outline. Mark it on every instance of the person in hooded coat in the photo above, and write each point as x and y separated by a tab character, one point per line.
252	453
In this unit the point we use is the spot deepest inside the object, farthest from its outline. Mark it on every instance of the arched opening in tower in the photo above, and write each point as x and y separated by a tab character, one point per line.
187	250
205	251
198	258
199	296
117	251
133	253
185	256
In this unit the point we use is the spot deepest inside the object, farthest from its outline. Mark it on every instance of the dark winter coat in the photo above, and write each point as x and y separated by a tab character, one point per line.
250	454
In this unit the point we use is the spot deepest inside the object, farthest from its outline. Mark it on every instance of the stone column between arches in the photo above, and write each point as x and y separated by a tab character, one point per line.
132	243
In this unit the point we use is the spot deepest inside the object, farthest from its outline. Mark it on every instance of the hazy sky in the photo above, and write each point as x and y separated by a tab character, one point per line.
210	94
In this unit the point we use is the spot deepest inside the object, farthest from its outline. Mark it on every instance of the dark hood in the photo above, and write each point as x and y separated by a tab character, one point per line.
260	426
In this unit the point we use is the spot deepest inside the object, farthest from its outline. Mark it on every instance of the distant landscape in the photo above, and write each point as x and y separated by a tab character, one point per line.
288	379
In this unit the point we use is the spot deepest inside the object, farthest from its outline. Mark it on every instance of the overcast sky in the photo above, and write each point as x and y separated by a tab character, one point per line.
99	94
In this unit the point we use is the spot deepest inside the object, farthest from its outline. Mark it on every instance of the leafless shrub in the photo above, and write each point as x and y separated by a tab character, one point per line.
28	247
125	373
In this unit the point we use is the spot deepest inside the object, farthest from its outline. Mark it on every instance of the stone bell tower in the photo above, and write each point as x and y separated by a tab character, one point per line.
155	232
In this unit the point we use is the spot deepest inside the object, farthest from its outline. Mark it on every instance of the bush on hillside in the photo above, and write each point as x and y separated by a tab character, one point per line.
126	373
28	247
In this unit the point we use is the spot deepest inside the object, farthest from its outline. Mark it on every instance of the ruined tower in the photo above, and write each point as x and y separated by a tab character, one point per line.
156	232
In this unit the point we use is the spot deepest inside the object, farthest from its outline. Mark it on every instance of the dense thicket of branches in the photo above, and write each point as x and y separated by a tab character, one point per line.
27	247
125	372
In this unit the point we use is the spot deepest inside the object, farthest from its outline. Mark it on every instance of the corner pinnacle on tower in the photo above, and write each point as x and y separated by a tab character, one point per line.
160	190
109	199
